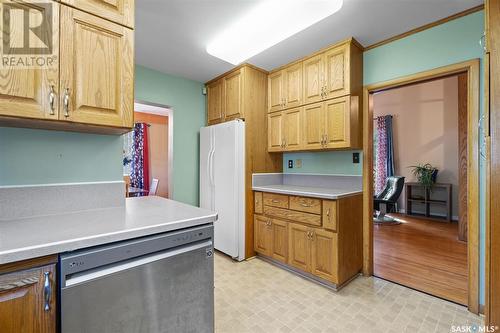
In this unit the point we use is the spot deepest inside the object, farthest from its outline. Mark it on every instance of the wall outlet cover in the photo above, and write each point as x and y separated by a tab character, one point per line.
355	157
290	164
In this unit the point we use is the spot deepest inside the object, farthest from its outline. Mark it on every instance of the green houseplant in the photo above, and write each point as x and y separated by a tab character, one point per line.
426	174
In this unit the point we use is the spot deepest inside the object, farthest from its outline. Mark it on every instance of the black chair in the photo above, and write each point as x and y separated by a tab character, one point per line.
386	201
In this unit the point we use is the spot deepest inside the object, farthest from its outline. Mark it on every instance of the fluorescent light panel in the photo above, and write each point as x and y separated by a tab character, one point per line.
267	24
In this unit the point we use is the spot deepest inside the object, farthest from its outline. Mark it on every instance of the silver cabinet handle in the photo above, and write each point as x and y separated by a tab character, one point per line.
276	201
47	291
305	205
326	140
66	102
52	98
328	214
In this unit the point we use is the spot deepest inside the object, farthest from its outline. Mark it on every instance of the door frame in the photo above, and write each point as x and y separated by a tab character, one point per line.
472	69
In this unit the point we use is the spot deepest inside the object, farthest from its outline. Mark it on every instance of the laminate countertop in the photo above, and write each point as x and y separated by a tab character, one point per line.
306	191
38	236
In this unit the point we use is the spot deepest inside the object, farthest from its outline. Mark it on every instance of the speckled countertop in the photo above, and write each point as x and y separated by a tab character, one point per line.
37	236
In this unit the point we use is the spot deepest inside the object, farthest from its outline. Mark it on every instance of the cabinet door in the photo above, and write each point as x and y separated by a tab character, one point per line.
263	235
313	79
275	93
24	92
97	70
330	214
292	128
280	240
337	71
314	118
23	305
233	103
337	122
293	86
215	103
274	131
324	254
299	254
119	11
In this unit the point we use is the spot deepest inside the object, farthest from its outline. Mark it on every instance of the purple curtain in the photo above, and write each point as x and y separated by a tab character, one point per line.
137	165
380	149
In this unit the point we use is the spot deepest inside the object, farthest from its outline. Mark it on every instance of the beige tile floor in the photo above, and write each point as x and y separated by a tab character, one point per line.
255	296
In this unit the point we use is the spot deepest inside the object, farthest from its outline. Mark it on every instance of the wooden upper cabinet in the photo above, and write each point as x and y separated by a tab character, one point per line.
97	70
292	128
233	101
324	261
293	86
275	93
28	301
313	126
279	240
313	79
119	11
263	235
337	71
299	249
215	102
25	92
337	122
275	138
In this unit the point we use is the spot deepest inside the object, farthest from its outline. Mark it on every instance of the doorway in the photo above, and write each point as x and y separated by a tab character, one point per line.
154	129
470	72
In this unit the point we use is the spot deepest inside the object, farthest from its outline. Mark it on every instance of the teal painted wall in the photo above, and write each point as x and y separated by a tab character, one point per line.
29	156
339	163
188	104
446	44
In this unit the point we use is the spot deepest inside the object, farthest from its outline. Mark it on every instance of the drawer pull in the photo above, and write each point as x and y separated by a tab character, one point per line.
276	201
305	205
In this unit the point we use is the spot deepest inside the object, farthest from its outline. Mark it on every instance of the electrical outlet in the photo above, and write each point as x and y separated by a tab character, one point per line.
355	157
290	164
298	163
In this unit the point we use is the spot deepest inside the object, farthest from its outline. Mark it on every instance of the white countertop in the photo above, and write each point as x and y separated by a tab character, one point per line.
306	191
37	236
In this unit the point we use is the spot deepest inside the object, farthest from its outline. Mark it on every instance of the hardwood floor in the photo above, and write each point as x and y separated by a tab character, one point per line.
422	254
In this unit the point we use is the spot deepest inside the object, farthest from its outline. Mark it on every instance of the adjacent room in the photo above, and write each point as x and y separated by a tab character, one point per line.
420	186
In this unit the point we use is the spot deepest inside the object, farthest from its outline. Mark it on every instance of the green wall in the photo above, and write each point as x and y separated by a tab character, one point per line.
29	156
339	163
446	44
188	103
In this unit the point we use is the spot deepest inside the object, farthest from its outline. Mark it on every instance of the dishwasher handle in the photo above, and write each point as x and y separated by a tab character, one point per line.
85	276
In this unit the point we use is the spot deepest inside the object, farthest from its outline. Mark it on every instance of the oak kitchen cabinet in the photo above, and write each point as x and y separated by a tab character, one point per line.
118	11
317	237
330	110
90	86
28	296
285	130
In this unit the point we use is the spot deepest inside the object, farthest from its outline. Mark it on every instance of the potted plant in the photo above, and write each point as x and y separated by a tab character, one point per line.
426	174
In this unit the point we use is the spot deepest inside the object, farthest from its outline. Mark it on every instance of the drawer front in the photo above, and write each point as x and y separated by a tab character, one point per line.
330	215
257	197
308	205
276	200
307	218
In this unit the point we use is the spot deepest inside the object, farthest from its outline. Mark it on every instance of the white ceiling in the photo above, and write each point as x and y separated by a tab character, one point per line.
171	35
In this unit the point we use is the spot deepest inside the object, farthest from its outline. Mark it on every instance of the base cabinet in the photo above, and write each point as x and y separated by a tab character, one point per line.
328	246
28	299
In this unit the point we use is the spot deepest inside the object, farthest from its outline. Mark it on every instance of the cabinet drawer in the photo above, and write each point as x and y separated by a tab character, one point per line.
308	205
330	214
307	218
276	200
257	198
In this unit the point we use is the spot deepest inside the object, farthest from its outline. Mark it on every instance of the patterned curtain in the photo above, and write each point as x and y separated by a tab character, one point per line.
139	176
383	164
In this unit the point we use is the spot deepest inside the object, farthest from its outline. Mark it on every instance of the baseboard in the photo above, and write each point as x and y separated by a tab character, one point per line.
453	218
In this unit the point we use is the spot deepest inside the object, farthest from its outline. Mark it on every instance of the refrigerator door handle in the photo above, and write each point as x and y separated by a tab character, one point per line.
212	176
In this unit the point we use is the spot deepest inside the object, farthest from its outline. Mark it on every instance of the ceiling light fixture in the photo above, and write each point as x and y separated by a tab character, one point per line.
267	24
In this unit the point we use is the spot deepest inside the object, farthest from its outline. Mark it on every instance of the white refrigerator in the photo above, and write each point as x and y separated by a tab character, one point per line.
222	183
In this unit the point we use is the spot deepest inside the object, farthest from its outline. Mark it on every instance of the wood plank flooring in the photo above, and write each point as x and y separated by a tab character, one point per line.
422	254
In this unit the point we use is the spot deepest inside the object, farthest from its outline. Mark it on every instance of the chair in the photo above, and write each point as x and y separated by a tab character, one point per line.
154	187
386	200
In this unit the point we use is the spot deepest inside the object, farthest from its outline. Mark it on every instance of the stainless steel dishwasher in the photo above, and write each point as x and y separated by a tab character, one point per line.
160	283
